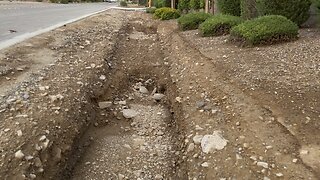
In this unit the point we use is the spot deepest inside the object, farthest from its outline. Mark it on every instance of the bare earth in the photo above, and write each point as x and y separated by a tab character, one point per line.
226	113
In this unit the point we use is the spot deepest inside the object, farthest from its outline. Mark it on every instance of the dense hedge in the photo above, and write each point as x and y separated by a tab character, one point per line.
219	25
231	7
295	10
166	13
265	30
161	3
192	20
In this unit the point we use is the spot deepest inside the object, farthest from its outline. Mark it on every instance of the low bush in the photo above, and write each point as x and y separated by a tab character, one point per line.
123	3
231	7
295	10
166	13
219	25
265	30
151	10
192	20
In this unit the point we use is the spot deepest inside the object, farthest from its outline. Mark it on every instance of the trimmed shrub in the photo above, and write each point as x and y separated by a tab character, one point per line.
265	30
123	3
295	10
219	25
192	20
231	7
151	10
194	4
183	5
166	13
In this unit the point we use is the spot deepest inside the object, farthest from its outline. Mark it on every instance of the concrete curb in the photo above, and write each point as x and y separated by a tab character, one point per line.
130	9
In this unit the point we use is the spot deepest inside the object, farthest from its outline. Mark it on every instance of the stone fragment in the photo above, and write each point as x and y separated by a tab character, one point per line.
263	164
105	104
197	139
19	154
213	142
129	113
158	96
143	90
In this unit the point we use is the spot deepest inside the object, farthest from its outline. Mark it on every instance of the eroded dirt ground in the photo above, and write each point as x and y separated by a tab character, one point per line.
122	96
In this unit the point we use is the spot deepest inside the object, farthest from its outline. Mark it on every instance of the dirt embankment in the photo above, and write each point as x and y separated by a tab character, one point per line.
123	96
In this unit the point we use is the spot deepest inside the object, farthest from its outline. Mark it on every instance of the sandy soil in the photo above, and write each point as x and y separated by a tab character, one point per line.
224	112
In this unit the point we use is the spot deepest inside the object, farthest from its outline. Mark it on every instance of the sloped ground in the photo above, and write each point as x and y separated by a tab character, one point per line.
226	113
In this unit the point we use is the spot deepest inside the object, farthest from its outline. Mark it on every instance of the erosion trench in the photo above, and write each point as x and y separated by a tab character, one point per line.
130	97
134	133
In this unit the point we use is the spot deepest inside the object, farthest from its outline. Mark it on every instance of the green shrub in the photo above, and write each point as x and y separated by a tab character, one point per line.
219	25
202	4
166	13
231	7
192	20
123	3
183	5
295	10
194	4
265	30
151	10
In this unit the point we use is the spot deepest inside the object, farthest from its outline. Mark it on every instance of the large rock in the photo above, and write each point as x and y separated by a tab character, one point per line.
129	113
213	142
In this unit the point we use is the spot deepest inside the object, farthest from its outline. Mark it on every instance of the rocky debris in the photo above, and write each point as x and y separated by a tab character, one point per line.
210	143
105	104
129	113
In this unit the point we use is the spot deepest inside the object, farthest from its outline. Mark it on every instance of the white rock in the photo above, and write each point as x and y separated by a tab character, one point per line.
122	102
213	142
179	99
158	96
279	174
19	154
19	133
266	178
294	160
42	138
304	152
129	113
205	164
190	147
263	164
102	77
143	90
197	139
105	104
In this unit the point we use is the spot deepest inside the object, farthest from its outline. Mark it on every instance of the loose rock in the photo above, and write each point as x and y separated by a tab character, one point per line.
213	142
129	113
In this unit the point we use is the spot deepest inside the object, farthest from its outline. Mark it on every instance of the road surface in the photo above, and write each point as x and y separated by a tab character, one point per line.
22	20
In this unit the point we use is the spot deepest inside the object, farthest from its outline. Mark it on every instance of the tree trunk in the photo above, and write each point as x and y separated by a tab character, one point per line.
207	7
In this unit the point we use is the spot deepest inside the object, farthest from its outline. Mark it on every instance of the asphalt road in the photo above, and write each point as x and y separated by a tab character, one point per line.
22	20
